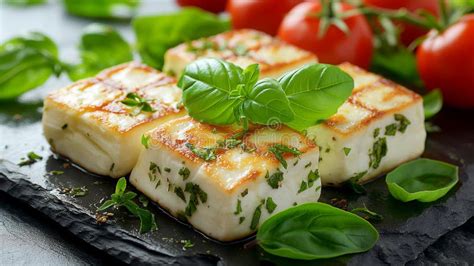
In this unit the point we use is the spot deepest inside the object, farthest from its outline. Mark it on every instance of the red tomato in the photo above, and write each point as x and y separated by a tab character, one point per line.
301	29
263	15
215	6
409	32
446	61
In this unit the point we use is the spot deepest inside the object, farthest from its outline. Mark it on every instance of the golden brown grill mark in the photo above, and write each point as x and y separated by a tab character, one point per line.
374	114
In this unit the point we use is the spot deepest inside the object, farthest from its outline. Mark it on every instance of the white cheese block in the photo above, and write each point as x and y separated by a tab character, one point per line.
226	197
87	122
241	47
379	127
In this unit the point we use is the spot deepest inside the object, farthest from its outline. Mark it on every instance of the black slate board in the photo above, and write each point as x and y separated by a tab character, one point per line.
407	230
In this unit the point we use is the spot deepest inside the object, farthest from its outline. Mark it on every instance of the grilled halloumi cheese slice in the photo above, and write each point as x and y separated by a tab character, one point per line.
88	123
379	127
225	186
243	48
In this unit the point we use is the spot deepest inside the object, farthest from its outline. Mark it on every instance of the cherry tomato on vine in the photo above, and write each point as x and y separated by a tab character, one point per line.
409	32
263	15
215	6
446	61
301	28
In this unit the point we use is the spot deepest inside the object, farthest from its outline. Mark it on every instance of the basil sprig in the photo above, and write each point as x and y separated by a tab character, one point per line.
423	180
221	93
315	231
125	199
26	62
101	47
432	103
156	34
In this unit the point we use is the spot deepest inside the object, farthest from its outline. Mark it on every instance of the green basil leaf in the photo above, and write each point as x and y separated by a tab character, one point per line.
121	186
314	231
156	34
208	85
34	40
315	93
147	219
423	180
251	74
387	61
101	47
107	204
102	8
22	70
432	103
23	2
267	104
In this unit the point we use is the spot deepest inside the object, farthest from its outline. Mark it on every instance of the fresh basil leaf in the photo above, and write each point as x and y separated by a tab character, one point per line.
22	70
107	204
208	86
368	214
23	2
102	8
388	61
121	186
156	34
26	62
33	40
251	74
101	47
315	93
314	231
423	180
147	219
432	103
267	104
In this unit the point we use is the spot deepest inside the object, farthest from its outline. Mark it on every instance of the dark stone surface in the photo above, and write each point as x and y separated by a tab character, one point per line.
406	232
455	248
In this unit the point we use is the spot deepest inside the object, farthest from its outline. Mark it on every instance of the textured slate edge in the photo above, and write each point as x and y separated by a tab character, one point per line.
107	237
407	243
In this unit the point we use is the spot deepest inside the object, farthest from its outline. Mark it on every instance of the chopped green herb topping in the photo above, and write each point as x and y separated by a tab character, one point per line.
244	193
187	244
196	195
379	150
303	186
238	209
32	158
270	205
368	214
233	141
167	169
312	177
112	167
278	150
207	154
75	191
353	184
154	168
317	188
256	217
404	122
307	165
241	219
180	193
134	100
64	126
328	150
158	183
376	132
146	141
347	150
184	172
391	129
275	179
